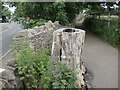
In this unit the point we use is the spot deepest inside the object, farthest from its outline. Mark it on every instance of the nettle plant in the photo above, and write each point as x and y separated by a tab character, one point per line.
34	68
31	66
64	76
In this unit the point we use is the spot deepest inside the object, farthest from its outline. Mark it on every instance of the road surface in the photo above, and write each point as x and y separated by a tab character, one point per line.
101	60
6	36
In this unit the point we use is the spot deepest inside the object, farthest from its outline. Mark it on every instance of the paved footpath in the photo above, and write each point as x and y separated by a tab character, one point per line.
101	59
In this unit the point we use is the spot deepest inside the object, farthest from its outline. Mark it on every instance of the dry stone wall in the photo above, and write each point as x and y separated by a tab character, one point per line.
39	36
7	76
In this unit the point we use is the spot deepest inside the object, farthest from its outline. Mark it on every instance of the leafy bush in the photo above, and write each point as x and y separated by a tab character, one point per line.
64	76
32	23
61	14
34	68
63	11
31	66
100	28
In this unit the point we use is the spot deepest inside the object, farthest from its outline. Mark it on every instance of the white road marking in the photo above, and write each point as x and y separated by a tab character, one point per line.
5	55
1	70
12	32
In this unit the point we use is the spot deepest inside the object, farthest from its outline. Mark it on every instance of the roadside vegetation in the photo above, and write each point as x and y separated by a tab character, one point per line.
32	23
34	68
107	30
6	14
55	11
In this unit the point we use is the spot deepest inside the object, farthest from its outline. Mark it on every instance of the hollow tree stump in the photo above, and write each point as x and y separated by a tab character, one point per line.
67	47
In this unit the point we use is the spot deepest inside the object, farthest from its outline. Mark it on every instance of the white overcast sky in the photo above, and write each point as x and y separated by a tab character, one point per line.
12	9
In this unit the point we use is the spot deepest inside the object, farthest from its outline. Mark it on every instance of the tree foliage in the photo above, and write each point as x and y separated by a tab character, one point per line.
100	28
62	11
64	76
6	12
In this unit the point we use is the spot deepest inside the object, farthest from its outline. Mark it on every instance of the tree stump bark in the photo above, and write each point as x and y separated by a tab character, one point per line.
67	46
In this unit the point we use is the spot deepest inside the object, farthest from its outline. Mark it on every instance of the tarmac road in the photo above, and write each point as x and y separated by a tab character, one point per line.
6	36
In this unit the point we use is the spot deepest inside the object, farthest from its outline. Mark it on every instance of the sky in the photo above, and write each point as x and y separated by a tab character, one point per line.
12	9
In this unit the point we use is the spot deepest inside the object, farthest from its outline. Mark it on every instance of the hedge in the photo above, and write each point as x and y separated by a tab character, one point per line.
100	28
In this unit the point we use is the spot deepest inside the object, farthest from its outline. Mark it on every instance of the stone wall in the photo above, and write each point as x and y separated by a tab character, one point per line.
39	36
7	76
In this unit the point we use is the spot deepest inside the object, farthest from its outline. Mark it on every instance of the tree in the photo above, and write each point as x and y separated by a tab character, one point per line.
62	11
5	12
